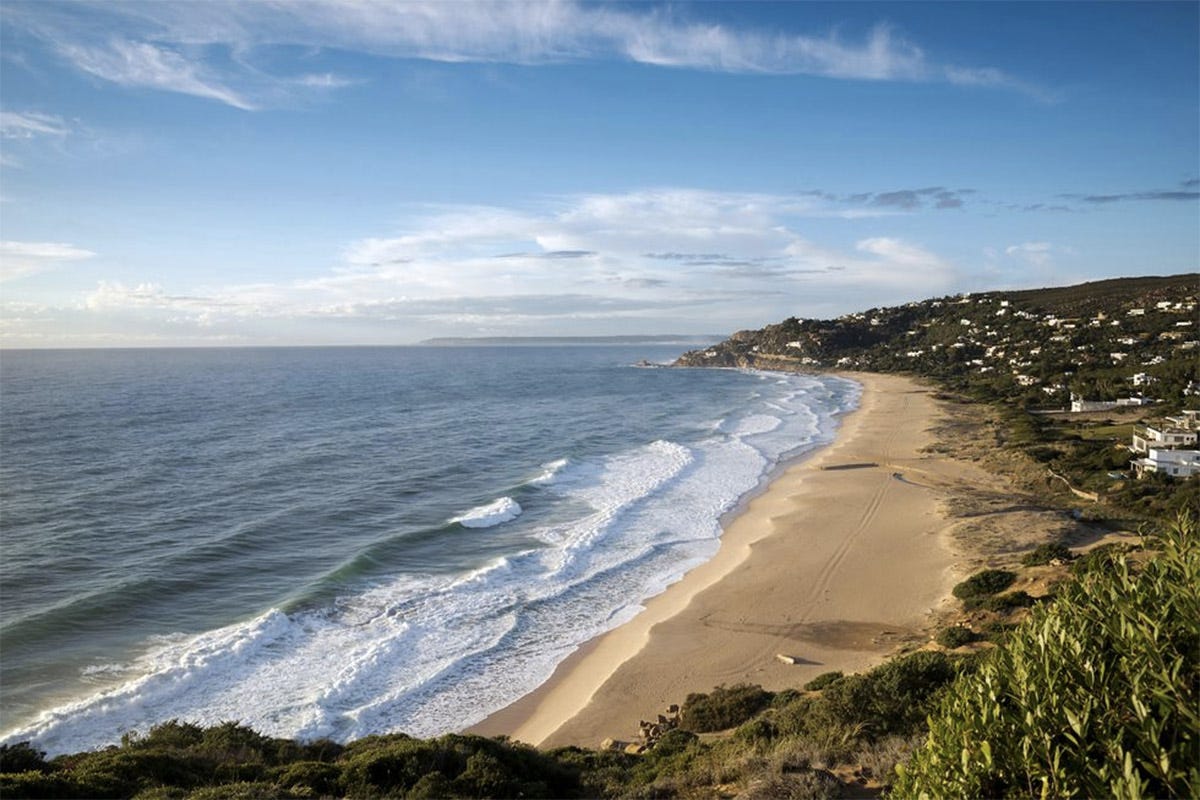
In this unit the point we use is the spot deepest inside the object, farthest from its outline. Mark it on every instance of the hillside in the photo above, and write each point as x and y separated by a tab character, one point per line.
1103	340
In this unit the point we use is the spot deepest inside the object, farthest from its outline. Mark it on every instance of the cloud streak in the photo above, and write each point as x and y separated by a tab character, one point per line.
1187	191
19	259
144	65
179	46
31	125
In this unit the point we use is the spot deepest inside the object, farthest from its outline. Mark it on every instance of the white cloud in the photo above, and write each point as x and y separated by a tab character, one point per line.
324	80
171	45
1040	254
901	253
18	259
145	65
30	124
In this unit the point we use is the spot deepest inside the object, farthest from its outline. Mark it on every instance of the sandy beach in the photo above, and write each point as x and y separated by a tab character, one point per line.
839	562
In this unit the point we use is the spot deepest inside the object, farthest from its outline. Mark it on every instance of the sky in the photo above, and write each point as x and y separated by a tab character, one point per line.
349	172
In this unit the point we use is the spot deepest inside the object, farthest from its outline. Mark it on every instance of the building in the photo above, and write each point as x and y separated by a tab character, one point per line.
1176	463
1079	404
1161	437
1188	420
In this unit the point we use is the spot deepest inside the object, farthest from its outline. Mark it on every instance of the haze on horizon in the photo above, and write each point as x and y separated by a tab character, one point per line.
350	172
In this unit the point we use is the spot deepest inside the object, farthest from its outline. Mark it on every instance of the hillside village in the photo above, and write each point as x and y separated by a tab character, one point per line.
1070	357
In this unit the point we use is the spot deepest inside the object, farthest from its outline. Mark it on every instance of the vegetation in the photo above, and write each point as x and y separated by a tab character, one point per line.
722	708
1044	554
1026	349
821	681
984	583
1097	695
955	636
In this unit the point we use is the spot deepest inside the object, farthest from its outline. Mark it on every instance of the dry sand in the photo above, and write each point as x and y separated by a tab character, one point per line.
840	561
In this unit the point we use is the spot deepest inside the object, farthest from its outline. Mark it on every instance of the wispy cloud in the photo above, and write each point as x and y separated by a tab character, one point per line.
899	200
18	259
1155	195
144	65
1038	254
31	124
181	46
1187	191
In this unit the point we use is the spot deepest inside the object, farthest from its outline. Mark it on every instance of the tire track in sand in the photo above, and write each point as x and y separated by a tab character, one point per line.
830	569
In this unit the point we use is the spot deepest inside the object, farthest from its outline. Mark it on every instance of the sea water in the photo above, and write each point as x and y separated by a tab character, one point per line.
346	541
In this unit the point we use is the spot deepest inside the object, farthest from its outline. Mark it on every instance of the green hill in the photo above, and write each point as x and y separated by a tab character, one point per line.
1033	348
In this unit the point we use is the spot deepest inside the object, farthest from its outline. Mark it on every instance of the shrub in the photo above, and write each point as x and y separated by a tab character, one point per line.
821	681
1095	695
1001	603
723	708
240	790
1100	558
1045	553
21	757
122	772
601	773
37	784
317	777
756	730
170	735
808	784
955	636
990	581
895	697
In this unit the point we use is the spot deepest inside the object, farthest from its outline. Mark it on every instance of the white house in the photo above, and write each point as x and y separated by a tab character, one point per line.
1161	437
1188	420
1079	404
1177	463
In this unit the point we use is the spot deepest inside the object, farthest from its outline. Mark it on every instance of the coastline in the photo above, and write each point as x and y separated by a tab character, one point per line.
839	561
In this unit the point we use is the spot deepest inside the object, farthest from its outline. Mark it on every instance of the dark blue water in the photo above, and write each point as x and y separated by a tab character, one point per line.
335	542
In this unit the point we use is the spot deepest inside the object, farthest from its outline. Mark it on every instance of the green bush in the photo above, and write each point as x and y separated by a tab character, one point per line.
723	707
1100	558
21	757
38	784
990	581
823	680
468	766
1045	553
756	730
239	790
1096	695
955	636
318	777
170	735
1000	603
895	697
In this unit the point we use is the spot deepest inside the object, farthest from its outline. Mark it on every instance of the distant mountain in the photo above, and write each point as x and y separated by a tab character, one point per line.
1105	339
527	341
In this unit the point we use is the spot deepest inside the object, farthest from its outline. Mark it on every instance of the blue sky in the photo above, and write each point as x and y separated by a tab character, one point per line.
351	172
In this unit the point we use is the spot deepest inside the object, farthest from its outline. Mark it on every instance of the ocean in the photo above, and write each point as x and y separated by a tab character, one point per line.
335	542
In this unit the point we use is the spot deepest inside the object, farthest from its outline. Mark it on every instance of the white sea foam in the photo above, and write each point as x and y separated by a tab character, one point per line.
490	515
426	653
550	471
